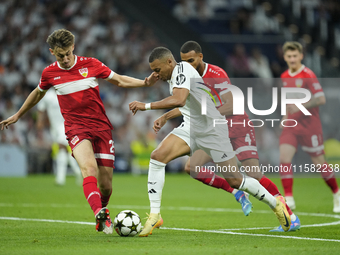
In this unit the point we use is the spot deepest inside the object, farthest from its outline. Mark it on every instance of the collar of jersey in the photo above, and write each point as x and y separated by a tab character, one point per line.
75	62
205	69
297	72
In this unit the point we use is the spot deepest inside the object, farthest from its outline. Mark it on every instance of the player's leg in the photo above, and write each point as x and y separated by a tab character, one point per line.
170	148
61	164
253	187
252	168
84	155
75	168
104	153
287	152
208	177
329	177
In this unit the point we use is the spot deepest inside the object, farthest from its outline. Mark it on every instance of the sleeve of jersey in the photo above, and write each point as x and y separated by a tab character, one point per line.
223	78
182	80
314	86
101	70
44	85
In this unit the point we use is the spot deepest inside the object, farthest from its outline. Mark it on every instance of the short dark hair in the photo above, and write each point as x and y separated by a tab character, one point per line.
60	38
191	45
159	53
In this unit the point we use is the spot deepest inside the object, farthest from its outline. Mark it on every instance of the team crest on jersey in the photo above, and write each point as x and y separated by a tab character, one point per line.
83	72
180	79
298	83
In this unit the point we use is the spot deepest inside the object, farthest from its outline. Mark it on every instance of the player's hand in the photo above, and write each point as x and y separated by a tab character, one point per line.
135	106
292	108
11	120
151	80
159	123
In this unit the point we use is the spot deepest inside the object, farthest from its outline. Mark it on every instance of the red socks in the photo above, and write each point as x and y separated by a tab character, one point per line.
329	178
92	193
286	175
272	189
210	178
270	186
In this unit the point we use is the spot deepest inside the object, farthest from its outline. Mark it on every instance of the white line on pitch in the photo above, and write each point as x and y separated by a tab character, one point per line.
181	229
249	234
170	208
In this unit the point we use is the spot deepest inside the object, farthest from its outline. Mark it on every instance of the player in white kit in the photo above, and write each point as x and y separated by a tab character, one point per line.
186	94
50	105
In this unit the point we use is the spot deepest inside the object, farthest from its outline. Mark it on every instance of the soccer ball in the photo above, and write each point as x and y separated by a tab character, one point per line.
127	223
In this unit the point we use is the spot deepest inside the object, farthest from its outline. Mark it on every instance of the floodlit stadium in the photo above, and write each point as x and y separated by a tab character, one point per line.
213	124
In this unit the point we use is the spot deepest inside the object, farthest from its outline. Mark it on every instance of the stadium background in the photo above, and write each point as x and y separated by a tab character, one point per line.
242	36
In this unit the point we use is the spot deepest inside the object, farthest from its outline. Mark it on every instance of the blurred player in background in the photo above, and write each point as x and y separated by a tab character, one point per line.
49	105
87	128
242	137
308	132
196	132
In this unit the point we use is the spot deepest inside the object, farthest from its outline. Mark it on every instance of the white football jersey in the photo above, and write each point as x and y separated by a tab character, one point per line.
185	76
50	104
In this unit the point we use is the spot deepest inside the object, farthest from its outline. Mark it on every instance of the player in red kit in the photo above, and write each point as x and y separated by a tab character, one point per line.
242	137
87	128
308	131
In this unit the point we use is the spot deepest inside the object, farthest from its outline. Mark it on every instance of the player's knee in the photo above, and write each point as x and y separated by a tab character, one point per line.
235	183
89	171
157	155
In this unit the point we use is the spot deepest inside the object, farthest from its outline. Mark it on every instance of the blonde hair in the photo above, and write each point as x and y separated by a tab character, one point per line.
292	46
60	38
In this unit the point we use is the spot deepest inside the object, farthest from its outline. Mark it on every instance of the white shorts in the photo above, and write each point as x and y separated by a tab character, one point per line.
58	136
214	143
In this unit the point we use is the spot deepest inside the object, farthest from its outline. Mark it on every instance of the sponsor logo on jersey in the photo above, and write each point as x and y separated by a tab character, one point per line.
298	83
83	72
57	78
75	140
180	79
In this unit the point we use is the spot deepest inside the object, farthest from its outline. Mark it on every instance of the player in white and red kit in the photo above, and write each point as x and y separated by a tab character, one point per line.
308	131
242	137
87	127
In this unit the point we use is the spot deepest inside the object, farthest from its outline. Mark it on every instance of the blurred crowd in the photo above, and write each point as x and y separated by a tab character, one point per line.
101	31
314	23
104	32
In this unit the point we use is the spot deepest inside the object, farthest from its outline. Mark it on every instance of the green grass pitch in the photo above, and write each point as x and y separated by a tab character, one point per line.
37	217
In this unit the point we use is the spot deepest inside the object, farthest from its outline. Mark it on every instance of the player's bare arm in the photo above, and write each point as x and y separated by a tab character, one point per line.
160	122
130	82
178	99
314	102
34	97
227	108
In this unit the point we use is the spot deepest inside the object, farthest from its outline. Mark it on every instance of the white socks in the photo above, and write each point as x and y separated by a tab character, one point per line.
156	179
254	188
61	166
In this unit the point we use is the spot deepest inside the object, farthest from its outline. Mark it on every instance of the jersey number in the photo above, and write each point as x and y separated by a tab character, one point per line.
315	141
247	139
112	149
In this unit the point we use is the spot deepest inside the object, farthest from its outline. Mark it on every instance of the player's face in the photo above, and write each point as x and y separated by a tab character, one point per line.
193	58
163	68
64	57
293	59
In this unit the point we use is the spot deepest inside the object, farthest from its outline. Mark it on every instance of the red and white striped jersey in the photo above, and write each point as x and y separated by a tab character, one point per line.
78	94
304	78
